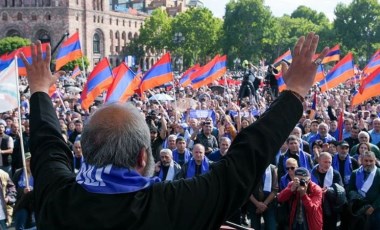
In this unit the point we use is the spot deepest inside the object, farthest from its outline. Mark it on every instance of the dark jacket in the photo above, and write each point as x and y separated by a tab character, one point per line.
203	202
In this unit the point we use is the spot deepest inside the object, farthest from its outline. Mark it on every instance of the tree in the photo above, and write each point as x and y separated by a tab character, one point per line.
9	44
135	49
155	33
357	26
311	15
78	62
250	30
201	35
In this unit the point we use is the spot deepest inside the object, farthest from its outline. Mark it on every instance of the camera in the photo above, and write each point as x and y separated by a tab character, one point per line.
302	182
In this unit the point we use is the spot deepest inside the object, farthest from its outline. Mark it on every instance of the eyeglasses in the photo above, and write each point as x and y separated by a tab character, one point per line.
291	168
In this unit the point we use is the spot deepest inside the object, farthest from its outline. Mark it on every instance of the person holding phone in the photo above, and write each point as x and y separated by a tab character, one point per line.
305	199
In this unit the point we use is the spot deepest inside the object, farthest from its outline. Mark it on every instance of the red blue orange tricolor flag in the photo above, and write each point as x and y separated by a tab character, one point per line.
70	50
99	80
185	79
368	88
373	63
332	55
208	76
76	72
341	72
159	74
121	88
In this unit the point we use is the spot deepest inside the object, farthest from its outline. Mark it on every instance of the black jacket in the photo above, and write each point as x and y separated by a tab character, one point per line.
202	202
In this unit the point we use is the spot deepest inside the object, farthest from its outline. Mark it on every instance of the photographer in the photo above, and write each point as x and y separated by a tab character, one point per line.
249	79
271	78
305	199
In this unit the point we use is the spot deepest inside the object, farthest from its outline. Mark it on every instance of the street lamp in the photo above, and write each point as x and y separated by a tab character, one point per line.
178	38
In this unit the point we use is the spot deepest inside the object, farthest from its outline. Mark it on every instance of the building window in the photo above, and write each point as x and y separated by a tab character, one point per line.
77	17
34	17
5	16
110	21
77	2
123	22
135	24
117	49
117	22
96	44
48	17
94	18
130	23
19	16
13	33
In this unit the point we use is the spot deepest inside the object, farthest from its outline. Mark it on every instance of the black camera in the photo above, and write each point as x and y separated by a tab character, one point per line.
302	182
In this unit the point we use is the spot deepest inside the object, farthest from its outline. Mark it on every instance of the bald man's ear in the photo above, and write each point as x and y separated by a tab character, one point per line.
141	161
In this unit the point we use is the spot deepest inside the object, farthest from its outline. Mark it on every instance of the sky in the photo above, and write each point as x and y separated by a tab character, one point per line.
281	7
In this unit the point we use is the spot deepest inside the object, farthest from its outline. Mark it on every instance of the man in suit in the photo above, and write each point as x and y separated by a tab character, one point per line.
114	188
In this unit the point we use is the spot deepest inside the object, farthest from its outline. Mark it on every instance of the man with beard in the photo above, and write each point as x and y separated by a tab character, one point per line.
114	188
167	168
363	194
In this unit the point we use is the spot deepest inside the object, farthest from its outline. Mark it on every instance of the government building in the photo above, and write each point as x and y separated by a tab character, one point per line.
105	27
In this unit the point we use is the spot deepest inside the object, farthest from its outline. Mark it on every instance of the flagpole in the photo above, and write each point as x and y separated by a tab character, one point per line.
60	99
20	128
83	68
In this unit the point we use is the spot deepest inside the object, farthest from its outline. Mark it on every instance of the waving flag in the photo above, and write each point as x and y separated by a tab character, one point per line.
76	72
215	72
369	88
332	55
99	80
280	82
159	74
185	79
8	87
320	75
373	63
287	56
341	72
204	69
70	50
121	88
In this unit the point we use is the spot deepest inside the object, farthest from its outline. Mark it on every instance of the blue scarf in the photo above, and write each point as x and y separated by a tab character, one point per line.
186	158
312	175
191	167
112	180
284	181
22	181
347	167
75	161
359	178
302	160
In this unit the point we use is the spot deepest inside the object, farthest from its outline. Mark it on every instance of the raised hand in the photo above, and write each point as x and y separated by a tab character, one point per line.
299	76
39	75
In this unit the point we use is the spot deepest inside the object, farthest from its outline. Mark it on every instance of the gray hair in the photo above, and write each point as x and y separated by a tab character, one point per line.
115	134
228	140
368	154
363	133
167	151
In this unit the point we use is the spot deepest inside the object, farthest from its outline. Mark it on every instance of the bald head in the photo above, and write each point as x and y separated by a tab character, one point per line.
115	134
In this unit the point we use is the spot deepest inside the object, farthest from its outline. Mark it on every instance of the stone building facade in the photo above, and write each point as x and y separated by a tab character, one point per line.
103	32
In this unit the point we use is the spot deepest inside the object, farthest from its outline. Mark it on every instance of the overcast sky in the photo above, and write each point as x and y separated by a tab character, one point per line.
281	7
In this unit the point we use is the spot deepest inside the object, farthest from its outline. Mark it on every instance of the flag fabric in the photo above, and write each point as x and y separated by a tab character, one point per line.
121	88
341	72
320	75
204	69
372	64
52	90
287	56
280	82
216	71
76	72
8	87
159	74
314	104
332	55
185	79
340	125
99	80
368	88
8	58
70	50
137	79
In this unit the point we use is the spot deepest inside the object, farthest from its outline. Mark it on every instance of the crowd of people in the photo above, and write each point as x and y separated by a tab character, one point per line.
318	178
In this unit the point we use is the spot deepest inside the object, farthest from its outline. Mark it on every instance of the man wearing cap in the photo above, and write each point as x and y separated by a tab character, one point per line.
325	176
363	193
344	163
166	168
305	201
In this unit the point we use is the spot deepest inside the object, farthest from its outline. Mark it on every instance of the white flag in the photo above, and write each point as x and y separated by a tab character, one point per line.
8	87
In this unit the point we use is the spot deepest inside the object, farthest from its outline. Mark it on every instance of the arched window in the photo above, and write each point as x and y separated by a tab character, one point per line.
96	44
34	17
43	36
13	33
130	36
4	16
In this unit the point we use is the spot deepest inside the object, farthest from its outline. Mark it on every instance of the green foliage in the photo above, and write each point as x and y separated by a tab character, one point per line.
9	44
201	33
311	15
357	25
136	49
78	62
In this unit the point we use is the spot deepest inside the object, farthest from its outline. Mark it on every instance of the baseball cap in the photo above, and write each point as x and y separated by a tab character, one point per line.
301	171
28	155
343	144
